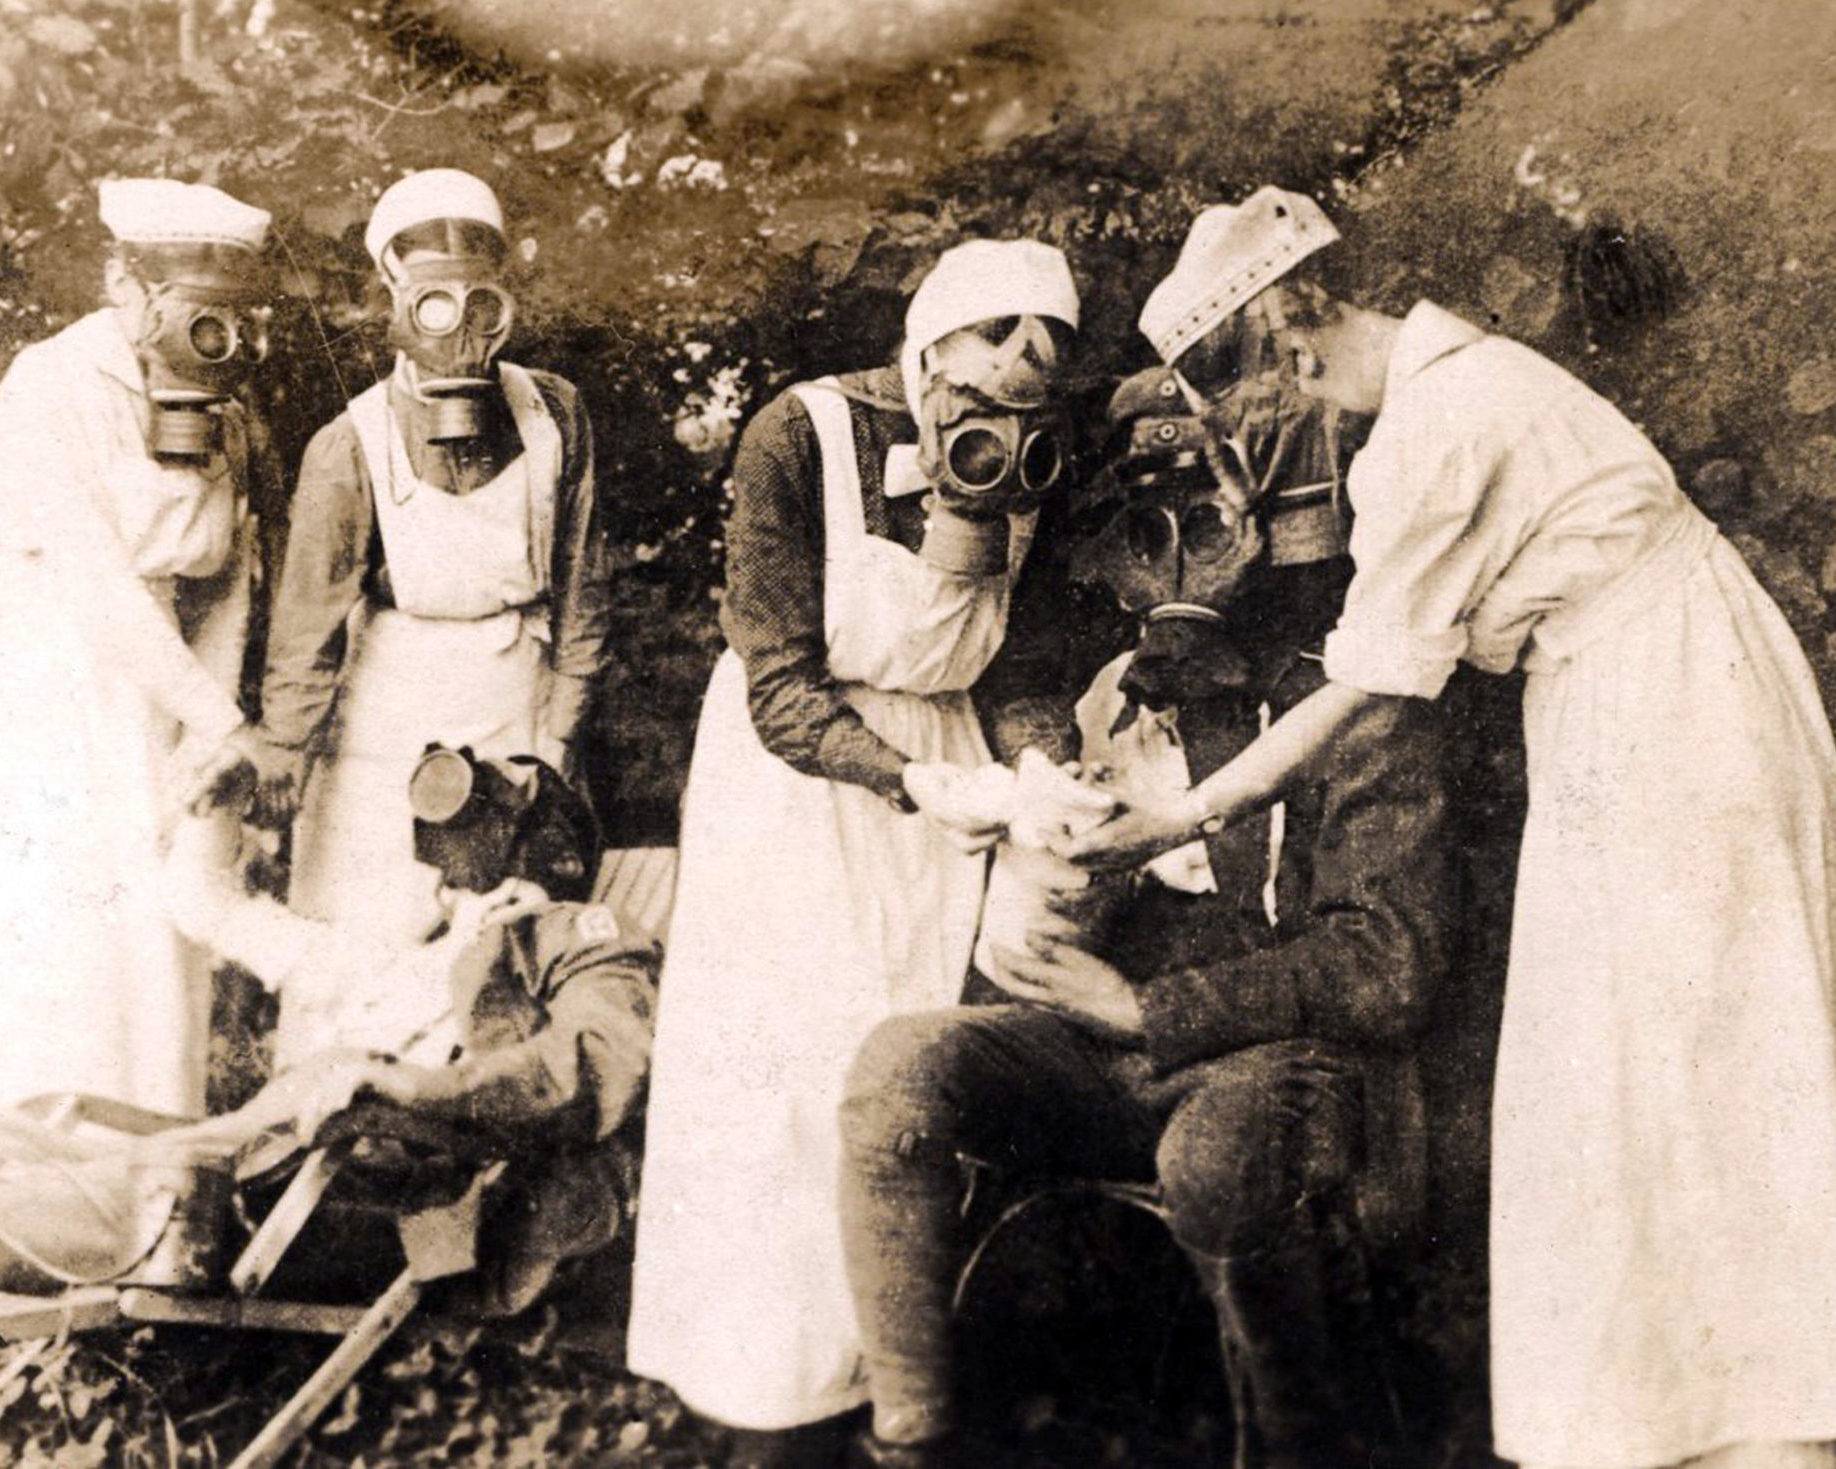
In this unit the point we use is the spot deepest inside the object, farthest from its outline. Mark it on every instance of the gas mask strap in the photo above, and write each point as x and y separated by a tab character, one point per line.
1229	486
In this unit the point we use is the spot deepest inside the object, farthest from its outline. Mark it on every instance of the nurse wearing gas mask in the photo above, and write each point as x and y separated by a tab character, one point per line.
127	474
446	576
839	798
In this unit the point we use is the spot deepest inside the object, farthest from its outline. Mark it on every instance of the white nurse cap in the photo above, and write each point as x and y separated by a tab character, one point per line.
982	280
1232	253
433	193
167	212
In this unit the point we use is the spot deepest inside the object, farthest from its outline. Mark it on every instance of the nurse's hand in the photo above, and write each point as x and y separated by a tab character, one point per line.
972	806
1135	834
229	775
279	773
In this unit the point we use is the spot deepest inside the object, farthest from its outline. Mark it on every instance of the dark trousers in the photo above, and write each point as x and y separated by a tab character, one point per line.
1236	1145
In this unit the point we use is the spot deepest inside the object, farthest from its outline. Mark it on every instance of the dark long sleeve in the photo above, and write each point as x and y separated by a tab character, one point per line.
773	610
1362	965
582	568
591	986
322	578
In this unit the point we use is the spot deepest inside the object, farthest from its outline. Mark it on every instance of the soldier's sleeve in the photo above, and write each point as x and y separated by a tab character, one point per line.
1381	910
594	976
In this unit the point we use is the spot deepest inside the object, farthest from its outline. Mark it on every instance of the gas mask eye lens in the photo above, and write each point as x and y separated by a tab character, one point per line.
1041	463
436	312
1203	535
485	312
1149	534
977	458
211	337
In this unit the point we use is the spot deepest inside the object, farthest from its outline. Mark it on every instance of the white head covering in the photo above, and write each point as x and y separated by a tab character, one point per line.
981	280
167	212
433	193
1232	253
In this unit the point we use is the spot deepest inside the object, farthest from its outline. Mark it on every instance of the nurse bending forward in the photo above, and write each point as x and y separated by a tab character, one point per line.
446	574
131	483
869	581
1664	1129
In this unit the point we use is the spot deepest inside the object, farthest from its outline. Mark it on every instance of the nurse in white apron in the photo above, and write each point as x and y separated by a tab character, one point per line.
1663	1232
128	548
868	589
446	576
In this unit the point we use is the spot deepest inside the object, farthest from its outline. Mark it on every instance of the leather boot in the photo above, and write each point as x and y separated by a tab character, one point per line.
1302	1350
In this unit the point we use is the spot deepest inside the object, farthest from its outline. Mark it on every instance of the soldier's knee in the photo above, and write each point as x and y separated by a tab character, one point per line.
1215	1179
900	1086
1245	1148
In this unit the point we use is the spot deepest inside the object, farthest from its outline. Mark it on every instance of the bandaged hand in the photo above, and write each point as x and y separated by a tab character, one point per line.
973	805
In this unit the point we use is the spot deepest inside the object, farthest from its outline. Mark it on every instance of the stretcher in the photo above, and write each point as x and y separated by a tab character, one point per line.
168	1274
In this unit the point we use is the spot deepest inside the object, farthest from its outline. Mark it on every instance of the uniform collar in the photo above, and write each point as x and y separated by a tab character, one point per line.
1428	334
104	345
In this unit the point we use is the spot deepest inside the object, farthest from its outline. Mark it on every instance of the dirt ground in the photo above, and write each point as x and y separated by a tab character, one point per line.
712	200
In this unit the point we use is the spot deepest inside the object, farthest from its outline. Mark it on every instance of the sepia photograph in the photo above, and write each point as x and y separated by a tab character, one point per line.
918	734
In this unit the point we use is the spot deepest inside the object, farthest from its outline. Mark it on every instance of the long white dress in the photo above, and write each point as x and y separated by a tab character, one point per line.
1663	1259
127	594
807	910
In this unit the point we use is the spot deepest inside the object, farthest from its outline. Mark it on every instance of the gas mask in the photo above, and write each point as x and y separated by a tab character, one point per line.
482	822
197	341
450	318
989	440
1191	509
1161	530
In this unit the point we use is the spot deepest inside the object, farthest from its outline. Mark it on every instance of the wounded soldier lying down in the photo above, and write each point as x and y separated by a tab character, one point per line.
525	1016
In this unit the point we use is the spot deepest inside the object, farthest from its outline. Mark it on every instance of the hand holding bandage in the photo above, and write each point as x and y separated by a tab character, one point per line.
972	805
1034	895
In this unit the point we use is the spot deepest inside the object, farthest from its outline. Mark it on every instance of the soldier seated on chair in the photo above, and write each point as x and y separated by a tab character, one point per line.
525	1016
1242	1033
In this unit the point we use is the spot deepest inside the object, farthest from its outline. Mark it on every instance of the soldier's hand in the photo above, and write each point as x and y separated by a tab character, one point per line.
1072	980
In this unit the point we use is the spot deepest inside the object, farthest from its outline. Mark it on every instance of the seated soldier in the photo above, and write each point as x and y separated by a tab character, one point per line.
1242	1034
526	1015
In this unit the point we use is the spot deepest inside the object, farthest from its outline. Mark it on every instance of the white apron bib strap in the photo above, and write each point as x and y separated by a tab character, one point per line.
844	519
370	416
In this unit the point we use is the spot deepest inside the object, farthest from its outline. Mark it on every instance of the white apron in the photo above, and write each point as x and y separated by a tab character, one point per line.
460	658
1663	1252
100	992
807	911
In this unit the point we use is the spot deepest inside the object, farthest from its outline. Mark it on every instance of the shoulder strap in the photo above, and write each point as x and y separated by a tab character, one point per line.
843	519
370	416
